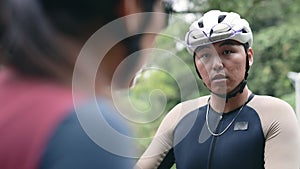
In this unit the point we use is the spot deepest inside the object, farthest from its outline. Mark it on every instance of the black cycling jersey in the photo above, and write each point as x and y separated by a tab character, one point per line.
220	152
263	134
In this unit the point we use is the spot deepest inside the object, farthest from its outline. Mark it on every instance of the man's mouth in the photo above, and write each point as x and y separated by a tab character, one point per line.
219	77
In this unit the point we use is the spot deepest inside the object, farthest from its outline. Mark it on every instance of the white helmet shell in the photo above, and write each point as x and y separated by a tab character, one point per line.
215	26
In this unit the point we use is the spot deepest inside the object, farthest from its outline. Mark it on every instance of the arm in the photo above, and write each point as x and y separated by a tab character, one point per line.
160	146
160	151
282	134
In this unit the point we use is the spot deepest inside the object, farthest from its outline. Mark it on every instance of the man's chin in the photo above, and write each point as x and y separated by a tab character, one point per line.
219	89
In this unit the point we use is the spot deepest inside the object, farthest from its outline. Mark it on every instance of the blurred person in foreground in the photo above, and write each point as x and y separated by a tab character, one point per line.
232	128
40	42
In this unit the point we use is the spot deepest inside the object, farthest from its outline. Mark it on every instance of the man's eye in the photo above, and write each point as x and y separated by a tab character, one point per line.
227	52
206	55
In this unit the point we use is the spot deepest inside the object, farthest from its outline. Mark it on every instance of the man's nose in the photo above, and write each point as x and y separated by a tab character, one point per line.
217	63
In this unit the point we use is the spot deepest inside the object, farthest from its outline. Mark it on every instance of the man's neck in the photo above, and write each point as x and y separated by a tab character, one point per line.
220	105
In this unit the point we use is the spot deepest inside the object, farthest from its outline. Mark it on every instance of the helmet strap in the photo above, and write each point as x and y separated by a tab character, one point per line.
234	92
198	73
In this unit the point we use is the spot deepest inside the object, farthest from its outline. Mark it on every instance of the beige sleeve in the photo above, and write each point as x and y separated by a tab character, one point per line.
163	139
281	131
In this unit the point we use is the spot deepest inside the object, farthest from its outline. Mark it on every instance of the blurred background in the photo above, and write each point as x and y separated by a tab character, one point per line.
275	25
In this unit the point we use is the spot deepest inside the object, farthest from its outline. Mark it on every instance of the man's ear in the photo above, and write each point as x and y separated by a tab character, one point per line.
250	56
129	7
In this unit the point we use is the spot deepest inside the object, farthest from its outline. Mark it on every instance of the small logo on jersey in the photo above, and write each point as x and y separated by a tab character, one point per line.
241	125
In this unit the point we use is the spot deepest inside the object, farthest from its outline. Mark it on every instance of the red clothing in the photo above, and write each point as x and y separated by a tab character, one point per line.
30	110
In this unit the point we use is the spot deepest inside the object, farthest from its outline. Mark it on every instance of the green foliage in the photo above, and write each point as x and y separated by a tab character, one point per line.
290	98
276	53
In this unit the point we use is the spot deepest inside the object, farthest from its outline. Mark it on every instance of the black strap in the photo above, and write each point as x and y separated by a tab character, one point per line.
168	161
250	98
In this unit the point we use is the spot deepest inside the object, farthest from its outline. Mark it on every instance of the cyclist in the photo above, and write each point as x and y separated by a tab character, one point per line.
40	42
232	127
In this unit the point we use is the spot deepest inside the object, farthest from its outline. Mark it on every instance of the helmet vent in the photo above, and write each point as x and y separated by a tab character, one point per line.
221	18
200	24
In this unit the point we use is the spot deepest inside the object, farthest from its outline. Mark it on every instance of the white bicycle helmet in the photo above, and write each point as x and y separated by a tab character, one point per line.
216	26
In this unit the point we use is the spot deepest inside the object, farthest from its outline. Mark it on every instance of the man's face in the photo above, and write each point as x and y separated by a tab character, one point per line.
222	65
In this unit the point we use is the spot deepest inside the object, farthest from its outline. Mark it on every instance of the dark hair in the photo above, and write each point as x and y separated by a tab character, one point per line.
28	34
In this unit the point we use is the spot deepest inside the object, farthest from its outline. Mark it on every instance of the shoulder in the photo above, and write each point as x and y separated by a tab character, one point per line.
281	131
270	104
73	145
164	137
276	115
183	109
187	106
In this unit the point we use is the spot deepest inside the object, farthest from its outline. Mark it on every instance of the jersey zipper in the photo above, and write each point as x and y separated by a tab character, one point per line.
213	145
